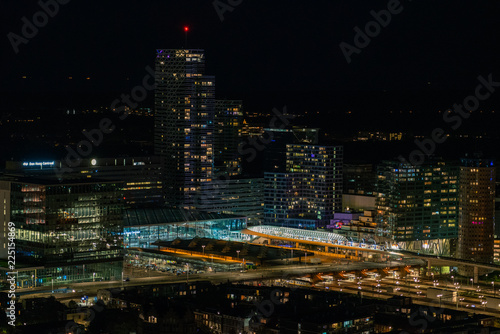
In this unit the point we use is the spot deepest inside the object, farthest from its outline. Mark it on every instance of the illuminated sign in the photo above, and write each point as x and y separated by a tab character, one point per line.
39	164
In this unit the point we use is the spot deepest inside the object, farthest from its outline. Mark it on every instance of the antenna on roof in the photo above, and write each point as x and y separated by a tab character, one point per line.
186	29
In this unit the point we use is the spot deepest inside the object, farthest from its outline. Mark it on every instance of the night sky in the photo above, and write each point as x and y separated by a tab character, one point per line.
262	48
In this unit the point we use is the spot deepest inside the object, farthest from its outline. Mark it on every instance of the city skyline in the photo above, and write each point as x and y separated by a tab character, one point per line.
249	167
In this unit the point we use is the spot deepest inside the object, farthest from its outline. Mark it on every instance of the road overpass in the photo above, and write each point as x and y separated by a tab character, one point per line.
449	261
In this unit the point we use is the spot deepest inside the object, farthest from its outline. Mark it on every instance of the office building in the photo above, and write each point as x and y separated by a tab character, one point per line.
418	206
141	176
227	136
65	231
477	212
184	123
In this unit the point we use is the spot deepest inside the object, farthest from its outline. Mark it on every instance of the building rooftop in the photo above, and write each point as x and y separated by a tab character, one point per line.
52	180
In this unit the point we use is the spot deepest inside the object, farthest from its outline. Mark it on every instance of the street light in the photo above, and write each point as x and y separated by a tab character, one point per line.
203	246
238	254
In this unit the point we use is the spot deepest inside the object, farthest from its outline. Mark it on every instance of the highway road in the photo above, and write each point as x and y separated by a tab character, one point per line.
276	272
412	286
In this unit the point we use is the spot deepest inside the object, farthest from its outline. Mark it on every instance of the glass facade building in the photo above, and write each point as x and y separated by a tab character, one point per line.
67	231
142	227
140	175
242	197
418	206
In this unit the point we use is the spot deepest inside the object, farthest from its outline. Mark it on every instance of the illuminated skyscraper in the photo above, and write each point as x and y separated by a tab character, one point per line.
477	212
184	123
227	136
320	168
309	192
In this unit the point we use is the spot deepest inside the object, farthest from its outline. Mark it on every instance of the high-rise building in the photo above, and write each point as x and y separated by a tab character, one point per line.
275	151
309	192
281	194
477	212
65	231
320	169
418	206
227	136
184	123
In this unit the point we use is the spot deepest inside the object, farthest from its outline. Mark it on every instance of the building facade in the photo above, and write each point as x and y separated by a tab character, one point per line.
275	153
418	206
227	136
359	179
141	176
142	227
66	232
477	212
236	196
309	192
184	123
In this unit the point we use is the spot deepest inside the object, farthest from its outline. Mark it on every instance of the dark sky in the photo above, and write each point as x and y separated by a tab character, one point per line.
261	46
